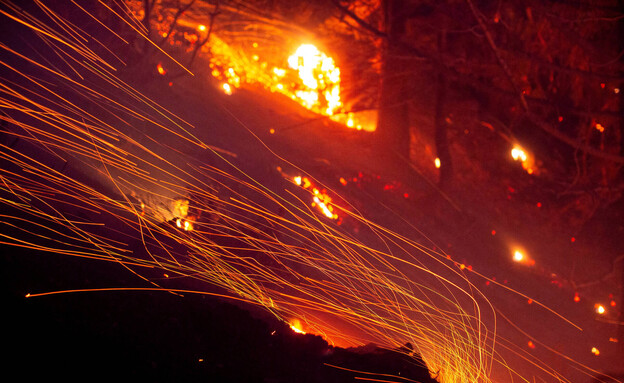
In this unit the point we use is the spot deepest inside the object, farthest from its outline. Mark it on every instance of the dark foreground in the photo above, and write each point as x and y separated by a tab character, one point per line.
157	336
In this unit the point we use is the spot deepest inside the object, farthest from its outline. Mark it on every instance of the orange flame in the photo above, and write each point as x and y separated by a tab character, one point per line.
296	326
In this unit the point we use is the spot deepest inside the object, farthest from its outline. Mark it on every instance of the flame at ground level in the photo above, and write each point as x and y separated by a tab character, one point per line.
296	326
308	76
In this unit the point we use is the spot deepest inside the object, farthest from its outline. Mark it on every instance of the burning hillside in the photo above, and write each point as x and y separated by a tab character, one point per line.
239	58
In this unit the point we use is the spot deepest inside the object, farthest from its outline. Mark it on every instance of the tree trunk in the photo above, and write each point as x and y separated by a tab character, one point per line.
147	10
393	119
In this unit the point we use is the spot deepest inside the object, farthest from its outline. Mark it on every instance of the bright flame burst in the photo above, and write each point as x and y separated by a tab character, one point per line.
296	326
308	76
519	154
320	77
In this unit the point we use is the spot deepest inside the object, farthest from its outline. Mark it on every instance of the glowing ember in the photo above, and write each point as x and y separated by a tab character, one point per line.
595	351
519	154
518	256
437	163
227	89
296	326
320	199
160	69
201	28
600	309
184	224
600	128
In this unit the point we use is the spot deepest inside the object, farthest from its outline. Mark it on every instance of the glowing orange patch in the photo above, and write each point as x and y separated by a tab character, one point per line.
160	69
296	326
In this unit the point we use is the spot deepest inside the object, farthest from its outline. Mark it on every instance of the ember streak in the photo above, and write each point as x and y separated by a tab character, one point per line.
182	200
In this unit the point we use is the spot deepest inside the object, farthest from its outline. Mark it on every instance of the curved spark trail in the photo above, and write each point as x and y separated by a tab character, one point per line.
93	167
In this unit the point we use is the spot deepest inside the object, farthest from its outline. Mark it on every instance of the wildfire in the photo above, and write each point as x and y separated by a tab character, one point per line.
320	78
308	76
325	274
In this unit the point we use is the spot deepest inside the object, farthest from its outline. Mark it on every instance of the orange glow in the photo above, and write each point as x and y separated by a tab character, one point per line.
600	128
160	69
518	154
258	244
595	351
531	344
308	76
320	76
518	256
296	326
350	122
201	28
521	155
437	163
576	297
600	309
320	198
227	89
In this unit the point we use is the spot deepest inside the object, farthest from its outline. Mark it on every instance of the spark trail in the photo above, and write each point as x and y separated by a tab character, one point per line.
93	167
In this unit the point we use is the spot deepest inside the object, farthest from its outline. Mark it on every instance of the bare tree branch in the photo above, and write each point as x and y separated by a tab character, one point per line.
177	15
359	21
499	58
539	122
